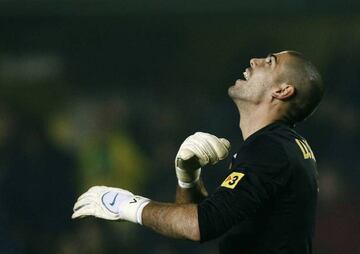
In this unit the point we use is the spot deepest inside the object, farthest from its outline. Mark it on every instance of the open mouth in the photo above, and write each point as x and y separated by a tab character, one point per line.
246	74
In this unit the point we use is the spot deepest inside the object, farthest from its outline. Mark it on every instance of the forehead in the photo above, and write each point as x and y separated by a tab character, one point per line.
287	54
286	57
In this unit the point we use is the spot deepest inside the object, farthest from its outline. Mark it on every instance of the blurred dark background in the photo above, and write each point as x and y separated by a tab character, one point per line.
104	92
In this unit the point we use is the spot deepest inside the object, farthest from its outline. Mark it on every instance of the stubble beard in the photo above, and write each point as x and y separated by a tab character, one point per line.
239	98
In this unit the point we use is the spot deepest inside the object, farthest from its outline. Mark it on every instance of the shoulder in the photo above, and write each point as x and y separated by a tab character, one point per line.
264	148
263	157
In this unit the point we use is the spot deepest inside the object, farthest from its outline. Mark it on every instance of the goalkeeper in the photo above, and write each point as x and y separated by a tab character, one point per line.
267	203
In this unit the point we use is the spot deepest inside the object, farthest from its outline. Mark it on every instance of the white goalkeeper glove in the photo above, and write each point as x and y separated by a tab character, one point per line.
110	204
195	152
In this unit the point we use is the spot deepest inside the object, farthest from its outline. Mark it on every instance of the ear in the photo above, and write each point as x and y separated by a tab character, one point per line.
283	92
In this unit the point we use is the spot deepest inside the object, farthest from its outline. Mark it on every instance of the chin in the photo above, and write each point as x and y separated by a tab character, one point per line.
234	92
231	92
238	96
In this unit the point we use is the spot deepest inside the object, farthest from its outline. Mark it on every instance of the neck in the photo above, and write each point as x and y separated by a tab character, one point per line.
255	118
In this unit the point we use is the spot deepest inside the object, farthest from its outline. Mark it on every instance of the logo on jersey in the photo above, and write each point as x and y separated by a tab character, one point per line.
305	149
231	163
232	180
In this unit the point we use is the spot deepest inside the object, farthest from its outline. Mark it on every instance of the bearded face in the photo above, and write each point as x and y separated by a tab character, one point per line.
262	75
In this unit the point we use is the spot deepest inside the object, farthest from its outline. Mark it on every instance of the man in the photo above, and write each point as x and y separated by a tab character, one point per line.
267	202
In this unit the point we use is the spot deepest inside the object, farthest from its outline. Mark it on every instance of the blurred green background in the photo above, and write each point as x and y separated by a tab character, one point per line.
104	92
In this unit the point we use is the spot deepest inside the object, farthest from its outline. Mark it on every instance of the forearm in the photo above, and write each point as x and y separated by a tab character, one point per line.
191	195
172	220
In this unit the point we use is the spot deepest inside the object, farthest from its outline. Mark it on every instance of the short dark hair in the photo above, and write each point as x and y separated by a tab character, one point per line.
308	86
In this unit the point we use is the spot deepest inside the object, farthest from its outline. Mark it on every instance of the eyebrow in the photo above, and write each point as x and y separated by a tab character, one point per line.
272	55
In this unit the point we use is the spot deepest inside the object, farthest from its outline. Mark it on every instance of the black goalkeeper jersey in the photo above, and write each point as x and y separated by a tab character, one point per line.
267	202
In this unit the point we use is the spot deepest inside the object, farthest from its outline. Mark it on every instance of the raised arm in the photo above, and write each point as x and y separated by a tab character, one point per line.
196	151
180	220
195	194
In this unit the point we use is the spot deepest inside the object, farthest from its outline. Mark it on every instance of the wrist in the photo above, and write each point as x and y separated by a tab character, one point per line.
140	211
188	185
132	209
187	178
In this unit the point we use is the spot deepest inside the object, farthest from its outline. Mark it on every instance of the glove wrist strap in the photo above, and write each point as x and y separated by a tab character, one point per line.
131	210
187	179
140	210
185	185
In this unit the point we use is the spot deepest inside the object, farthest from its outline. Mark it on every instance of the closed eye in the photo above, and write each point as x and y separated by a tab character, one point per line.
271	58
